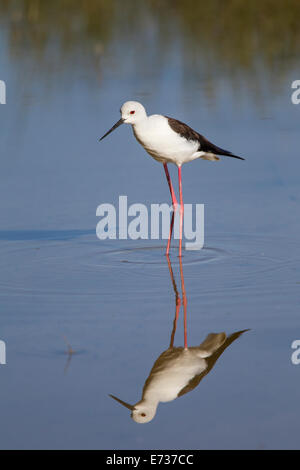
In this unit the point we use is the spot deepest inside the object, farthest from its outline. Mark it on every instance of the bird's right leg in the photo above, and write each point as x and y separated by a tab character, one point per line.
175	205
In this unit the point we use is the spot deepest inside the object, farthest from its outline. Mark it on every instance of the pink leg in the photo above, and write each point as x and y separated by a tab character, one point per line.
170	234
181	211
175	204
184	301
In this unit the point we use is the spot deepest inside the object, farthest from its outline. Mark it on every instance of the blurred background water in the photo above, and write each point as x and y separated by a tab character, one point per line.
226	69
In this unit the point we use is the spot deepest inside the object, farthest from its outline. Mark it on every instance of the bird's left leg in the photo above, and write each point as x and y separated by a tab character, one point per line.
181	210
175	204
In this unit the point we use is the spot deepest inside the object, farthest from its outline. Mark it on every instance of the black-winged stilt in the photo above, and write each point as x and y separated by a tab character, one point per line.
168	140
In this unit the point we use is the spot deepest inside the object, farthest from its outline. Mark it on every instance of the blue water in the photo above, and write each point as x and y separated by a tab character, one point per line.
113	300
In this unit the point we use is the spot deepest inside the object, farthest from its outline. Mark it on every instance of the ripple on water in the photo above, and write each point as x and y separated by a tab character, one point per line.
83	266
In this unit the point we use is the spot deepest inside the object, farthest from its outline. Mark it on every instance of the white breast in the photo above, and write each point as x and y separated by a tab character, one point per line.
162	143
166	382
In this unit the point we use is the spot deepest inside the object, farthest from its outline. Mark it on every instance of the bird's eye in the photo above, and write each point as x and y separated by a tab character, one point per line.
143	414
132	112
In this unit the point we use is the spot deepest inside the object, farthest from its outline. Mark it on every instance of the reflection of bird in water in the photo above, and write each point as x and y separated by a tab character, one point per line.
178	370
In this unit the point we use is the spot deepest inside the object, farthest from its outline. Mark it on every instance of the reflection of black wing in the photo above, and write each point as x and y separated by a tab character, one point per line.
211	360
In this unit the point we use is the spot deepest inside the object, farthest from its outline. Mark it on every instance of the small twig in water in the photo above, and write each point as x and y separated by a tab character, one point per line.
70	350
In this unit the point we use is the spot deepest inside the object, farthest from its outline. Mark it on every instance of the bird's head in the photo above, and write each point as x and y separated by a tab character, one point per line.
142	412
131	113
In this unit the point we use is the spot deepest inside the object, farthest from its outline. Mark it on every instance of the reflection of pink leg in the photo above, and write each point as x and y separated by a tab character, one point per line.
178	305
175	204
181	210
184	301
185	320
177	301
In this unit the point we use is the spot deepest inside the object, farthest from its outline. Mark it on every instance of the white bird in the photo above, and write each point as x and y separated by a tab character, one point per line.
176	372
168	140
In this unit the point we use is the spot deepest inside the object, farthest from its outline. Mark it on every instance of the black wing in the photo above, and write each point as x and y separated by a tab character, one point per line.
204	145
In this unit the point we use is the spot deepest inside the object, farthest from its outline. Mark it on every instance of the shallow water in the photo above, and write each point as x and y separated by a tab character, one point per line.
113	302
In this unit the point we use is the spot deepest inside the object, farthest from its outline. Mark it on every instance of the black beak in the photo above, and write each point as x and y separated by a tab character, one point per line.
130	407
113	128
